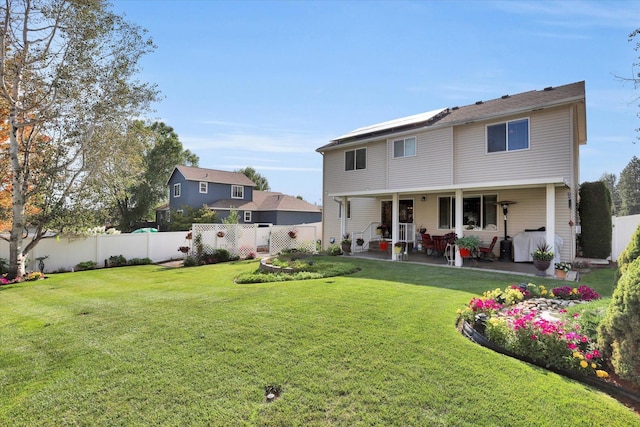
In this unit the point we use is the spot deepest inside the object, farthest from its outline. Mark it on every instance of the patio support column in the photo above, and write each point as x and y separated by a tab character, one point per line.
395	229
551	225
459	220
343	217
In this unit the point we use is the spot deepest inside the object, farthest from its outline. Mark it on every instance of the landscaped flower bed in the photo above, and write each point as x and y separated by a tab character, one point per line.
538	331
533	324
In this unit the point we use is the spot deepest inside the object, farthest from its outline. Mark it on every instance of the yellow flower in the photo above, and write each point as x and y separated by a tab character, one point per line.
551	294
593	365
584	364
544	292
576	354
602	374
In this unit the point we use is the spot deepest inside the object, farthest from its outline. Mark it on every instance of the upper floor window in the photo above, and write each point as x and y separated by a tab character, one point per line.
247	216
204	187
508	136
355	159
176	190
404	147
237	192
478	212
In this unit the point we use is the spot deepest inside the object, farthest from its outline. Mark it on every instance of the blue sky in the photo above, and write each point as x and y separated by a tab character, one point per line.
264	84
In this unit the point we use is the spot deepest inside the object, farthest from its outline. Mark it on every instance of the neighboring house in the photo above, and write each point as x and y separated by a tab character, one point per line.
449	170
223	191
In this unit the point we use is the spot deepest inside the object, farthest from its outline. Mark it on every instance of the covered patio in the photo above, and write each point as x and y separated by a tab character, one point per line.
497	265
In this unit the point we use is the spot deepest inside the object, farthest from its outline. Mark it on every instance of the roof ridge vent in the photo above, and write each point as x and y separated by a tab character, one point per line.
546	89
505	96
479	102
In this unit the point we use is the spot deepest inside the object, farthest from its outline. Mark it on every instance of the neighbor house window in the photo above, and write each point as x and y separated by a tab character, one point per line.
478	212
237	192
204	186
404	147
508	136
355	159
176	190
247	216
348	210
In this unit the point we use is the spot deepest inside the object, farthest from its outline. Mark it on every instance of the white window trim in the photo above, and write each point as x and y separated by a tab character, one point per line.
204	187
233	187
452	200
355	160
348	209
404	147
247	216
177	190
506	122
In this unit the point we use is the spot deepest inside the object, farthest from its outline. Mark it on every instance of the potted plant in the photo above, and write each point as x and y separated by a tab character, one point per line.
220	234
293	233
398	247
346	243
467	244
359	241
562	268
379	229
542	257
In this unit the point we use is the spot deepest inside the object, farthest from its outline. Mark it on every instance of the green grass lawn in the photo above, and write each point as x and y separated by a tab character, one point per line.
150	345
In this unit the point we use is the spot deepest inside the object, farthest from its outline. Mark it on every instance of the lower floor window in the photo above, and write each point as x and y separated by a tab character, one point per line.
478	212
247	216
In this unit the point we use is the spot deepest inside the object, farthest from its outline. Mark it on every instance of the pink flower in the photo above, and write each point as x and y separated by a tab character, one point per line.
572	346
534	337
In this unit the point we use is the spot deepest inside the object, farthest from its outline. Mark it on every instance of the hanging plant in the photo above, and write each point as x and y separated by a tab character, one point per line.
293	234
220	234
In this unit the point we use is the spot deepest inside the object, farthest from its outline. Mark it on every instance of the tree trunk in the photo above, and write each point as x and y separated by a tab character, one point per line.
16	255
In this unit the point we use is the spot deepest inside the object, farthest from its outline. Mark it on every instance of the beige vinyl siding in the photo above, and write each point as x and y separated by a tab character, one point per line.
373	177
430	166
549	153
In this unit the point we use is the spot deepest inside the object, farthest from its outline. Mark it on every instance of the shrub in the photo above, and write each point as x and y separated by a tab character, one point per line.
140	261
117	261
4	266
190	261
30	277
86	265
620	329
595	217
334	250
630	253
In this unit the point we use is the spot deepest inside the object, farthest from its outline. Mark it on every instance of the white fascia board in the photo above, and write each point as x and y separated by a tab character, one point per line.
488	185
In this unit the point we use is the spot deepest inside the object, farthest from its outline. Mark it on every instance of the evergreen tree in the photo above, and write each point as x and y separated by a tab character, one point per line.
260	181
610	181
629	188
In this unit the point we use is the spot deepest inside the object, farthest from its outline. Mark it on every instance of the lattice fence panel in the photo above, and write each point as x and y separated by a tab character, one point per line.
244	239
300	237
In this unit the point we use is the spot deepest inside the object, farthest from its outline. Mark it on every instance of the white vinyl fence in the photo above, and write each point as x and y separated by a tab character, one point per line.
623	229
63	254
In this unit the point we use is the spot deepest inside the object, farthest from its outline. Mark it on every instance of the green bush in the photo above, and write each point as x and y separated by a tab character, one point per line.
190	261
619	332
334	250
630	253
595	220
140	261
86	265
117	261
4	266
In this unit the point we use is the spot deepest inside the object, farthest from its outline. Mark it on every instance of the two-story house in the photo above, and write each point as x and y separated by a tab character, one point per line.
464	170
224	191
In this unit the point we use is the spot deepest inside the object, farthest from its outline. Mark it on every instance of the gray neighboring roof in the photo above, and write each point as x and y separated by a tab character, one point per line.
481	110
266	201
214	176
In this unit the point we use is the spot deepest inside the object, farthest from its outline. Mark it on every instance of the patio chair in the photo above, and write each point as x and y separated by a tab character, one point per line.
427	243
486	252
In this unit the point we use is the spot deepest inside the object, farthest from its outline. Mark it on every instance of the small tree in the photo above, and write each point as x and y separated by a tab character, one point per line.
629	188
619	332
610	181
595	219
260	181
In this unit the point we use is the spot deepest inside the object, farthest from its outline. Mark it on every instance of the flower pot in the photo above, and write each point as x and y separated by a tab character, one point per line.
346	247
384	246
465	252
220	234
561	274
541	266
397	249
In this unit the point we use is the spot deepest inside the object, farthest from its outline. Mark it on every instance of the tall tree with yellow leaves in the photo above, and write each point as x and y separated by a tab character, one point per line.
67	70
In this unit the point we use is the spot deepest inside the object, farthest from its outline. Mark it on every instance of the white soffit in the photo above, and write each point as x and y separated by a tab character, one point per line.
417	118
